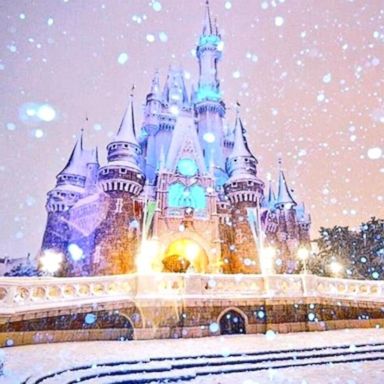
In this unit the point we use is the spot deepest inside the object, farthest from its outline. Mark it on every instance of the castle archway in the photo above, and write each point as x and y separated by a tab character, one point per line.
185	255
232	322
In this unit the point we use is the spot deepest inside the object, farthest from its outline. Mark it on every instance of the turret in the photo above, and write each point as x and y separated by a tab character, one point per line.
241	167
245	192
122	173
209	106
73	183
70	185
284	198
151	126
209	51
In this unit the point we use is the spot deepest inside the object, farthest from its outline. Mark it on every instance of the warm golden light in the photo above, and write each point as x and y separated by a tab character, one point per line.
148	251
51	261
335	267
189	254
303	253
267	259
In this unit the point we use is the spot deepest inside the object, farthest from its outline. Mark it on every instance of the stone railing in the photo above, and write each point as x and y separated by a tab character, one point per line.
47	292
20	294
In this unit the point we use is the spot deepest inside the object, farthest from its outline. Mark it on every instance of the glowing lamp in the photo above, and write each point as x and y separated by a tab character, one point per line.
335	267
303	253
51	261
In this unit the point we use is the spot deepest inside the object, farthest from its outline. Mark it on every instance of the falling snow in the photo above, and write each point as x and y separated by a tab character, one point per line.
304	74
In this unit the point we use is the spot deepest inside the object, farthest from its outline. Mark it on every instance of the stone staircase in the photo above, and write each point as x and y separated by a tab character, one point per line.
186	368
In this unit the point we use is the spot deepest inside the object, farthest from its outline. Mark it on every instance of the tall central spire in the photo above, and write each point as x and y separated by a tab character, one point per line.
207	27
208	52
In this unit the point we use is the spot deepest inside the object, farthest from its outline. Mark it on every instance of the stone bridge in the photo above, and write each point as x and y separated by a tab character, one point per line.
166	305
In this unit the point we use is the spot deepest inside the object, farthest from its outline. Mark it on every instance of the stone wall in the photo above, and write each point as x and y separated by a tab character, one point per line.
187	318
141	306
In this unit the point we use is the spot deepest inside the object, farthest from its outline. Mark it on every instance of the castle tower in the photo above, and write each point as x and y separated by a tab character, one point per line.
122	180
151	125
287	230
244	191
70	188
209	106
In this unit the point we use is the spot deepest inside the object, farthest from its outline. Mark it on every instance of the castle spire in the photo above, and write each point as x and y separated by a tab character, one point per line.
284	197
75	164
241	163
126	132
207	27
271	195
155	87
240	147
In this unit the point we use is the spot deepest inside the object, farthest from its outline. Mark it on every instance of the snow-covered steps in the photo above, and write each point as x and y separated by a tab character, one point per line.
169	369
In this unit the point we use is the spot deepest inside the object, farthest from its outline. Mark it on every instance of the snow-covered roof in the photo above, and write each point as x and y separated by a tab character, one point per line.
185	143
240	148
76	165
284	195
126	132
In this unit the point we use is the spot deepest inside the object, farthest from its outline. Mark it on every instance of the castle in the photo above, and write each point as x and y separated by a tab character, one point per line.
181	194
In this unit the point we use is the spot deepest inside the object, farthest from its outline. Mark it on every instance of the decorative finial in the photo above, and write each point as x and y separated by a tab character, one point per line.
237	108
132	90
280	162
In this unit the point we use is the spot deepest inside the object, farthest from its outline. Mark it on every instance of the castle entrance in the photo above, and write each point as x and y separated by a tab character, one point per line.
232	323
183	256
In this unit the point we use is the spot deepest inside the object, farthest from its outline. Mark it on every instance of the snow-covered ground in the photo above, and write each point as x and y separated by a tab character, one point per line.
38	360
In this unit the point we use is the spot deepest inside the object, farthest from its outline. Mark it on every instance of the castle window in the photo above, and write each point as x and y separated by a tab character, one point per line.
180	196
123	171
187	167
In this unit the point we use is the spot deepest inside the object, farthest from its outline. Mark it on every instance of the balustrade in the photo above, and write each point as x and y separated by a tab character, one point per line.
17	294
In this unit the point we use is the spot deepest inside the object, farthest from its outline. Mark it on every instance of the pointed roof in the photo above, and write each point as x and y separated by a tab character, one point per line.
126	132
207	26
271	196
155	86
240	147
75	164
185	142
284	195
90	156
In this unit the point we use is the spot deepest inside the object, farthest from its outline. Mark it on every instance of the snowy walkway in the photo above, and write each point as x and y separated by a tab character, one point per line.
231	353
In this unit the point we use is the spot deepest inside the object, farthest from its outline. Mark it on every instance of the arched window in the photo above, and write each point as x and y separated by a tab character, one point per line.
180	196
